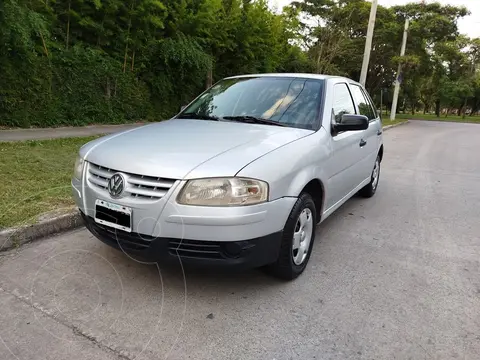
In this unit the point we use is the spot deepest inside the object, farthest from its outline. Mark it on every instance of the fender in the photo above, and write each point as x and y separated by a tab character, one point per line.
290	168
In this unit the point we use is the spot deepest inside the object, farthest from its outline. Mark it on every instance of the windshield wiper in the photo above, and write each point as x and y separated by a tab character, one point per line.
198	116
253	120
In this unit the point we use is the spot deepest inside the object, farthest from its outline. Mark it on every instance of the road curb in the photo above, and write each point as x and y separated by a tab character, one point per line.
17	236
395	125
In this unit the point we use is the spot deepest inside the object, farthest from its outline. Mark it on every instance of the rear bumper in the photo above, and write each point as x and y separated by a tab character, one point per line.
248	253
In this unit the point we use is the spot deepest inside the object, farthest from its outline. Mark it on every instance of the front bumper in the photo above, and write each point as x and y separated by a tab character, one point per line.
164	230
166	218
243	254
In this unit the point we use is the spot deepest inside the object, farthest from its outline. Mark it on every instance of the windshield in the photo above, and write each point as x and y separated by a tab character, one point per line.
289	101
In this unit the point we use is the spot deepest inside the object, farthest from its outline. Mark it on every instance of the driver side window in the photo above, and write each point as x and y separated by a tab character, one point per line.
342	102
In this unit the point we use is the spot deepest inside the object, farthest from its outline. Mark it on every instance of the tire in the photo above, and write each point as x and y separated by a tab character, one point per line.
291	263
371	188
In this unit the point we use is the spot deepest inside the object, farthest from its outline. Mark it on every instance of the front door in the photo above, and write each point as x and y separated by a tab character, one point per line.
341	167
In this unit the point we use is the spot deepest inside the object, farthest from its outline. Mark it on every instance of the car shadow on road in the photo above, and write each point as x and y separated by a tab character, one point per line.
179	276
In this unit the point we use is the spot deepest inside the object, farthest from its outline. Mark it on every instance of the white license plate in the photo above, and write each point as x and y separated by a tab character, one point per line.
113	215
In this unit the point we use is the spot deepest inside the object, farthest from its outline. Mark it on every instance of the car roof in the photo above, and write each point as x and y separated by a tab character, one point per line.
294	75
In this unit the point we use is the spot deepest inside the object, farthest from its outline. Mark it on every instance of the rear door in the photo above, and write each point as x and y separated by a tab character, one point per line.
367	152
378	119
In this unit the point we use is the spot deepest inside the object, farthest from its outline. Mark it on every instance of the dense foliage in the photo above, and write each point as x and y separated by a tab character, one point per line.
98	61
74	62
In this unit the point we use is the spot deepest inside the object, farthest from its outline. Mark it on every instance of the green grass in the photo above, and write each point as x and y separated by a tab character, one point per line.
386	121
35	178
433	117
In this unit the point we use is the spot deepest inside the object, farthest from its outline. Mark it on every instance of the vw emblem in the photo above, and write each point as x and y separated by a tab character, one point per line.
116	184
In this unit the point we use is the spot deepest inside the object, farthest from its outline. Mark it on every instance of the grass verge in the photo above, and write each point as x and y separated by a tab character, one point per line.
386	121
35	178
433	117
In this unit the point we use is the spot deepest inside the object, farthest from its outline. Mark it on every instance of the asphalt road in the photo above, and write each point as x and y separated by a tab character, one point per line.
392	277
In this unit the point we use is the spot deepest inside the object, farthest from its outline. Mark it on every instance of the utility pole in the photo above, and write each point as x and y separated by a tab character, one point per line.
396	91
368	42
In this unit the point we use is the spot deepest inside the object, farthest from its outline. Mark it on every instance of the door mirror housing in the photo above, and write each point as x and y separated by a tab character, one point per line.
182	107
352	123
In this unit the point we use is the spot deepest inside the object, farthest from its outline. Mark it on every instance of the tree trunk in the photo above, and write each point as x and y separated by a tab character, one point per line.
424	109
474	110
108	90
209	81
128	38
437	108
319	57
49	62
68	26
133	61
464	108
102	24
125	57
44	45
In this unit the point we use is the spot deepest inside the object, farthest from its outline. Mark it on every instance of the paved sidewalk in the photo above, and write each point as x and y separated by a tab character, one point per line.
62	132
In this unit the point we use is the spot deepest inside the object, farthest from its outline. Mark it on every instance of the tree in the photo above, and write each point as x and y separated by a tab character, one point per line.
84	61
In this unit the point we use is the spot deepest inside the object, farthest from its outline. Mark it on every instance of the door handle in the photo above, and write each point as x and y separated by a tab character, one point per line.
379	132
363	143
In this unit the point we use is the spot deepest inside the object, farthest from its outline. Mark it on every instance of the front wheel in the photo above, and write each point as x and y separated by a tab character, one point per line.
370	189
297	240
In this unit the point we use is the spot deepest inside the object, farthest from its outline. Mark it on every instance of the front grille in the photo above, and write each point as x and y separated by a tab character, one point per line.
138	186
195	249
125	240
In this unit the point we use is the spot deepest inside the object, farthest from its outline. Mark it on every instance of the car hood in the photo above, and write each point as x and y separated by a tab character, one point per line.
184	148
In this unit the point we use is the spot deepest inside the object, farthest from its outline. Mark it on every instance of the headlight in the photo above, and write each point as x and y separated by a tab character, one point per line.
223	192
77	170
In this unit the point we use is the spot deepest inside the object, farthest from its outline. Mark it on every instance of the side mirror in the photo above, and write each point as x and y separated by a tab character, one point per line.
352	123
182	107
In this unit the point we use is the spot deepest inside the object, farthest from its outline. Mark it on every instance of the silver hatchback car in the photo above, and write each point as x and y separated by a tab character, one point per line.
240	177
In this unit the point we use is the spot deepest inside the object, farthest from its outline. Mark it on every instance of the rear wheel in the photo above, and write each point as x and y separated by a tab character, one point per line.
370	189
297	240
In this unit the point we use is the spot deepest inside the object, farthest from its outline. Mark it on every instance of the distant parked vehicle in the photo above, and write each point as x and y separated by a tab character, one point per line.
240	177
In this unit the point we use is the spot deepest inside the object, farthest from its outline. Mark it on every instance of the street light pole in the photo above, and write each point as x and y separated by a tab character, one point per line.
396	91
368	42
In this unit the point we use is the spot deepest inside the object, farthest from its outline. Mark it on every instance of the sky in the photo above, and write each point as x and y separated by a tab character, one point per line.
469	25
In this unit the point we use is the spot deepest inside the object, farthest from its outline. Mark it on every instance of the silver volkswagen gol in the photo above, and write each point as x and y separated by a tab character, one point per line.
240	177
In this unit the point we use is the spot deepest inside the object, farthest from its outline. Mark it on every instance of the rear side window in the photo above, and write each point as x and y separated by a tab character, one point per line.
342	102
370	101
362	102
